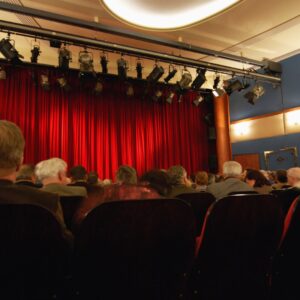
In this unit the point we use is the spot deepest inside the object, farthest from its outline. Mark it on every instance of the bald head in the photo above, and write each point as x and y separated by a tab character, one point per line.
293	175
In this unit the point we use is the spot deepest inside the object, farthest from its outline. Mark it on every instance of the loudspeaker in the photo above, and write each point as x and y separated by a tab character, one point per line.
55	43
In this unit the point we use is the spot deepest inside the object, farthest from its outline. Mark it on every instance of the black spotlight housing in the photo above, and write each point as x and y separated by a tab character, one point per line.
199	80
9	51
35	52
155	74
104	63
139	69
172	73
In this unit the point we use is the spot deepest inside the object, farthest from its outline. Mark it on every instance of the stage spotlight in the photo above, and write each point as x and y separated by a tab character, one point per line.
85	60
63	83
45	82
7	48
172	73
98	87
185	80
157	95
64	58
199	80
170	97
233	86
139	69
35	52
216	82
155	74
2	74
252	96
198	100
104	62
122	67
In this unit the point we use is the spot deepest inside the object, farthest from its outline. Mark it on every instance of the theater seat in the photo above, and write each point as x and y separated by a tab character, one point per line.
238	238
199	202
33	253
70	204
286	263
135	250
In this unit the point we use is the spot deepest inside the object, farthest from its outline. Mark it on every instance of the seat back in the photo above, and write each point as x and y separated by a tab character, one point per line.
286	263
32	252
239	236
199	202
286	197
243	193
135	250
70	204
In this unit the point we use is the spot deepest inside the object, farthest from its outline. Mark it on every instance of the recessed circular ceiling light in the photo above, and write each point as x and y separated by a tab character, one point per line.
165	15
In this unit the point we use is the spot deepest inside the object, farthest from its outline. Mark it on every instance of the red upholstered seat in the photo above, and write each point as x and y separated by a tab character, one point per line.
238	238
135	250
286	263
199	202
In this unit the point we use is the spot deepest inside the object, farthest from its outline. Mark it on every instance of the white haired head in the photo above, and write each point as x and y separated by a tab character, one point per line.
293	175
50	168
232	169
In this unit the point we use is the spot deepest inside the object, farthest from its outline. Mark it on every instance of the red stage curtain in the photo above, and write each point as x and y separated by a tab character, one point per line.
105	131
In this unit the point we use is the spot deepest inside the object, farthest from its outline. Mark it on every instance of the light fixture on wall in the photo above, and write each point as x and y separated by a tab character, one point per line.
242	128
253	95
293	118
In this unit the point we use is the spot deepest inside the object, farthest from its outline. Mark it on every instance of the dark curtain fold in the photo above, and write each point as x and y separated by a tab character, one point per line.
104	131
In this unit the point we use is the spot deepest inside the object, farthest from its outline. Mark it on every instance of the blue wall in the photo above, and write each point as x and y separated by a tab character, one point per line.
275	99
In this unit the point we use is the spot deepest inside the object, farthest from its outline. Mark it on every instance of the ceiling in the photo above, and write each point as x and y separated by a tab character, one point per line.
255	29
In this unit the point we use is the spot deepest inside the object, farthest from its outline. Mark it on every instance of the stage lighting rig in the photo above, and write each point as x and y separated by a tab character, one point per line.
155	74
139	69
104	63
8	50
64	57
35	52
199	80
122	67
172	73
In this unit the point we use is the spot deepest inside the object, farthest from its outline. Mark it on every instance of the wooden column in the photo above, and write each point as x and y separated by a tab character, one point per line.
222	123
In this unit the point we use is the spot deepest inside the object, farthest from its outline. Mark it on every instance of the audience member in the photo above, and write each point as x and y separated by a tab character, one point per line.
52	173
179	181
232	171
11	156
78	175
281	180
159	181
93	178
258	181
288	195
26	176
126	187
201	180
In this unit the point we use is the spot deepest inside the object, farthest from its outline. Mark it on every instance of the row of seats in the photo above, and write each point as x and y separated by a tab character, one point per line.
145	249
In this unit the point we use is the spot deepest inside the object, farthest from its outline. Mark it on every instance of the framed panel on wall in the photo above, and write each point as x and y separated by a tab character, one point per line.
282	159
248	161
